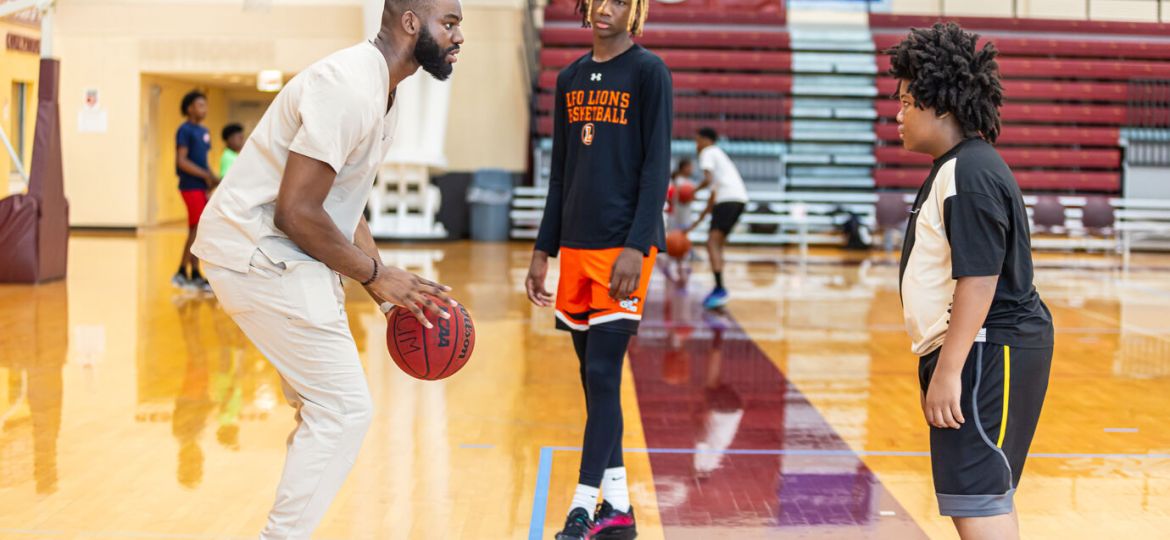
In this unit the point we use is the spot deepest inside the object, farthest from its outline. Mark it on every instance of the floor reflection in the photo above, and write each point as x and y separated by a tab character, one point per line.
735	446
205	387
34	344
131	409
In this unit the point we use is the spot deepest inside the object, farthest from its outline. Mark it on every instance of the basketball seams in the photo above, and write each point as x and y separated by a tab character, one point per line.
426	351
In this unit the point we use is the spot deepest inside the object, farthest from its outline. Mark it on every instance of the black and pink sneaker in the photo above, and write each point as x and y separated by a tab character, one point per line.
577	526
610	524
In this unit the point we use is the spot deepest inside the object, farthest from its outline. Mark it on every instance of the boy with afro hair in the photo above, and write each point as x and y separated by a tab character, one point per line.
980	329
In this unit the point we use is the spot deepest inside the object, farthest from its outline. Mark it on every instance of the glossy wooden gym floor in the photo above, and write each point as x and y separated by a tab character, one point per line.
130	409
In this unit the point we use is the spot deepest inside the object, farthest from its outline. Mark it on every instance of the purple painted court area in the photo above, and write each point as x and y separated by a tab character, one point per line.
702	384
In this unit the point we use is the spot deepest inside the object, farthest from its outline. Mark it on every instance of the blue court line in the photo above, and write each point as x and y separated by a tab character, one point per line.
540	497
544	466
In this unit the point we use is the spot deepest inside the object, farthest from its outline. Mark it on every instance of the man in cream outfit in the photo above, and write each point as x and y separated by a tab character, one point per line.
286	223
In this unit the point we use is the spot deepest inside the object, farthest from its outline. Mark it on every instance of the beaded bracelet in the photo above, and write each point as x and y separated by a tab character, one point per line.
373	277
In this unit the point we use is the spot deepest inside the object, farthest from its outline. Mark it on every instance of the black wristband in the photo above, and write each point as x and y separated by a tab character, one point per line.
373	277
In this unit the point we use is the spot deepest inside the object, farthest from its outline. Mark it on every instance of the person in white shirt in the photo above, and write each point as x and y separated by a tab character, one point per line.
286	224
725	204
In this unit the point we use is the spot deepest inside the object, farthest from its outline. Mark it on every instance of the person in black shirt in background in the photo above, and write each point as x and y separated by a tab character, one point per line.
982	333
603	217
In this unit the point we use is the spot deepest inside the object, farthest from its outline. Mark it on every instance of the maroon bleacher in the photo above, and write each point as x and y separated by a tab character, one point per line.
729	77
1066	83
693	60
1025	25
726	12
1042	68
693	112
718	57
1066	93
1083	69
684	128
1026	90
1022	135
912	178
1064	47
1038	113
697	82
581	39
774	107
1019	158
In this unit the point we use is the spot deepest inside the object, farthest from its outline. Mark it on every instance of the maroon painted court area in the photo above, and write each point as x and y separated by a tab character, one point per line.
748	456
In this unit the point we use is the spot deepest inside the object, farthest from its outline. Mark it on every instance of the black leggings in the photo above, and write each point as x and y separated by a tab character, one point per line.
600	354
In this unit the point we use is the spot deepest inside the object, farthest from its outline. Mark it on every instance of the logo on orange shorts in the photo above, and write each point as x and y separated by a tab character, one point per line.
587	134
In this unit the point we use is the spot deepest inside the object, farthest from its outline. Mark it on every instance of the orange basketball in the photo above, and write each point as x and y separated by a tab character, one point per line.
435	353
677	243
686	191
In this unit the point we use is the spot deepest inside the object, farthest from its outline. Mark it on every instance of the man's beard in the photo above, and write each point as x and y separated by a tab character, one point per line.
431	57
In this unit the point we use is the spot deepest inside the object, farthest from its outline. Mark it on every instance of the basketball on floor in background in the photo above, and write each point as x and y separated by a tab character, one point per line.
677	244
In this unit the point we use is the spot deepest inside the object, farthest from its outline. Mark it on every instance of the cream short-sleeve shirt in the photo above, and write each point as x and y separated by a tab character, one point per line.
335	111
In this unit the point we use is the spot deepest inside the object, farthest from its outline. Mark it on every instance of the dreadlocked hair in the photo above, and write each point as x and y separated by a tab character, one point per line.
640	8
949	73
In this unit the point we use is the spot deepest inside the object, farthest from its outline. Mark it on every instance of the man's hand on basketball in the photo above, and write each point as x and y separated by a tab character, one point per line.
411	292
534	283
941	405
626	274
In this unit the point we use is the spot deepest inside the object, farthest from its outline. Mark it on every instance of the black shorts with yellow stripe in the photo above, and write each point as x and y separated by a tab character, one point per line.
978	466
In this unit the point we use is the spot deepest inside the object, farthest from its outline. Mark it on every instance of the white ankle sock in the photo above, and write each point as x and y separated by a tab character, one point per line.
615	489
585	497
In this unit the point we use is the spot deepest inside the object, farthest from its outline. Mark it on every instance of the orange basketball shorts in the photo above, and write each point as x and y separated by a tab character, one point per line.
583	300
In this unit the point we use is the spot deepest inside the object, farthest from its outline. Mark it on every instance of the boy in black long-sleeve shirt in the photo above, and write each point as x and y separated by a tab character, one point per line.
603	216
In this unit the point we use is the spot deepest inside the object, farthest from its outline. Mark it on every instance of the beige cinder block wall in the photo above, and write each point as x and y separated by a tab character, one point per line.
109	45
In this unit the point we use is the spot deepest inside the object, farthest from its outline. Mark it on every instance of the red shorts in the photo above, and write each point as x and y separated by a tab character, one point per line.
196	200
583	300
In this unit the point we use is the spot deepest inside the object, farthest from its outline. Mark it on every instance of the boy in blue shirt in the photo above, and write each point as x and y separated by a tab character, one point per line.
192	144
